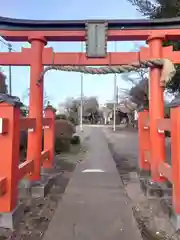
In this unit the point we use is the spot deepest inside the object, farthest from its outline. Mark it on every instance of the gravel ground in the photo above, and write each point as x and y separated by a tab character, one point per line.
39	212
151	219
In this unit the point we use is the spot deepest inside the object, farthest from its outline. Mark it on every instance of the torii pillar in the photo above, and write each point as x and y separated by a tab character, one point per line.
36	104
156	109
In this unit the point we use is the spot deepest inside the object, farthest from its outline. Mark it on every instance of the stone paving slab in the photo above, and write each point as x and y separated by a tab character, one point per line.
95	205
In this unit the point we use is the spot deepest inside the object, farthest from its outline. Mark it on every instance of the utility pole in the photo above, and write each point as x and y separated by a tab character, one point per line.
115	95
10	72
82	95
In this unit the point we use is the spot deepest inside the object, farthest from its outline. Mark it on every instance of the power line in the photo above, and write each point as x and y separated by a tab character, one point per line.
8	45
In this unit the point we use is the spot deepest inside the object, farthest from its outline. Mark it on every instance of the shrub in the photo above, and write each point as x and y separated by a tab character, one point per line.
62	145
61	116
75	140
64	131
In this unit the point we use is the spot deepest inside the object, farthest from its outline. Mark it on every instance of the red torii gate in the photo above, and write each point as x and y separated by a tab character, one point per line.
38	33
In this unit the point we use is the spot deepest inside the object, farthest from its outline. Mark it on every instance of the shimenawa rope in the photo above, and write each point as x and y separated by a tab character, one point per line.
167	73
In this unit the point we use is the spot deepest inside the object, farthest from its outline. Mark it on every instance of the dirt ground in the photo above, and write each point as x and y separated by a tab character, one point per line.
152	220
39	212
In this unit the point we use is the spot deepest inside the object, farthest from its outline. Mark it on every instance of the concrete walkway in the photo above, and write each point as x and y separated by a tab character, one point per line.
95	205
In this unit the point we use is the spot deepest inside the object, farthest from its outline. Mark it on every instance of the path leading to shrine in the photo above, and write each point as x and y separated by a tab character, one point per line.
95	205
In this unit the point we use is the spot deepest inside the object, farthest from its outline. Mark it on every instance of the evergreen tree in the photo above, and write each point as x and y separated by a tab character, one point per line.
155	9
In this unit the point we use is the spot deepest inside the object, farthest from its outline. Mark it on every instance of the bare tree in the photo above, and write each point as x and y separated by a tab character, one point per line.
91	104
90	108
138	93
46	98
3	85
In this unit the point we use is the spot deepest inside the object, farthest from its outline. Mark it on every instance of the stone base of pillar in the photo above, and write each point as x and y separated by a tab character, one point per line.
11	220
40	188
